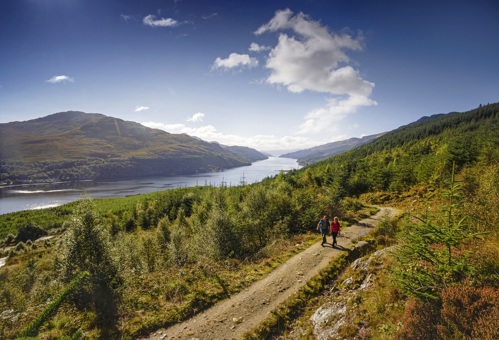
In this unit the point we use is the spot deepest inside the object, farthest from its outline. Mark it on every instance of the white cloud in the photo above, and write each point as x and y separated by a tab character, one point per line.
337	108
279	21
60	79
235	60
254	47
125	17
197	117
315	59
260	142
212	15
151	20
141	108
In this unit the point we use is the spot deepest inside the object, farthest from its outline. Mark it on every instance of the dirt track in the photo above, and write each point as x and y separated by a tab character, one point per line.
232	318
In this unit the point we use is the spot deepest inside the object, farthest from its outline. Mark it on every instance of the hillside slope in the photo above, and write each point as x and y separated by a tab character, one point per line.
246	153
318	153
75	145
420	153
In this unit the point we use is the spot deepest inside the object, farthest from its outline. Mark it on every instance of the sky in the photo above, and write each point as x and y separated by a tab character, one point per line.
273	75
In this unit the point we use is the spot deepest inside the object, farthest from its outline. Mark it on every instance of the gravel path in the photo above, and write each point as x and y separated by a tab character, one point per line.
232	318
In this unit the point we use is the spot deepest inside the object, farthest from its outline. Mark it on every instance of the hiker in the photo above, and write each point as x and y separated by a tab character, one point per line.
323	226
335	229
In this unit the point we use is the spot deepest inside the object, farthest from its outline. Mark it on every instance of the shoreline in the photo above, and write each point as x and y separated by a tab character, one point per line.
7	186
112	179
39	195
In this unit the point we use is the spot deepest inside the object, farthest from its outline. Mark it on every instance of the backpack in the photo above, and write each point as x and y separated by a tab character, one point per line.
324	225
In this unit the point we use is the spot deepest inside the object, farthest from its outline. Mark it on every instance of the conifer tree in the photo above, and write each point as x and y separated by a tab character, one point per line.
431	254
88	250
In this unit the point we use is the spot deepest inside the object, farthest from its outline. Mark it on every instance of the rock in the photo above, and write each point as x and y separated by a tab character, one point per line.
359	250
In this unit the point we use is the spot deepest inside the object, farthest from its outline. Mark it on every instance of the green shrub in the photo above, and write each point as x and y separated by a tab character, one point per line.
150	251
75	284
431	254
386	231
10	239
21	247
163	233
29	232
88	250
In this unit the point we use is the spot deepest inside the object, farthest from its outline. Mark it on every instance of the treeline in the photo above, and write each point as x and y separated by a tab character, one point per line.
257	209
17	172
419	154
455	122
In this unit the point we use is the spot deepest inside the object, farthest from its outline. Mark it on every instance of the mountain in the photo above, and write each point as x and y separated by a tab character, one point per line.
76	145
318	153
244	152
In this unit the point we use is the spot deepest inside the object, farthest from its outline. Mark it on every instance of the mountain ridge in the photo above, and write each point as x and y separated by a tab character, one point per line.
74	145
320	152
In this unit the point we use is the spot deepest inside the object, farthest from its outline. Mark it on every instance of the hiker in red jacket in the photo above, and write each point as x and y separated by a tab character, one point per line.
335	229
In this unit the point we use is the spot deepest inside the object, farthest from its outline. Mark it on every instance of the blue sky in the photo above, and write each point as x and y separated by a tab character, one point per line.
272	75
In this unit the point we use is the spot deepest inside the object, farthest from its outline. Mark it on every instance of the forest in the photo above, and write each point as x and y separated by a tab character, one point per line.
95	269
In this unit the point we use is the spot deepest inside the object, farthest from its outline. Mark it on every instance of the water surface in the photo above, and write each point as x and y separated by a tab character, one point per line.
42	196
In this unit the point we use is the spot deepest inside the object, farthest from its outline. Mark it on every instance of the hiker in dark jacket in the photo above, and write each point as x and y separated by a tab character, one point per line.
323	226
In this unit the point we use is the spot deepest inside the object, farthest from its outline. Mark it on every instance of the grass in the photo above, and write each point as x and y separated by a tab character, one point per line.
52	219
148	302
191	290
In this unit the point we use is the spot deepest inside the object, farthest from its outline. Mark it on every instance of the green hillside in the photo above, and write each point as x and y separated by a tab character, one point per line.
246	153
318	153
165	256
421	153
75	146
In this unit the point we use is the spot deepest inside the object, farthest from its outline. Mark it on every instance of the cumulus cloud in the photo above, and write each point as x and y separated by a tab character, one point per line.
235	60
151	20
254	47
207	132
260	142
197	117
314	59
335	110
60	79
141	108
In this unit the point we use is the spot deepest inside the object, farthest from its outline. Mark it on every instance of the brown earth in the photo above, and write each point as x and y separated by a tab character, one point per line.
234	317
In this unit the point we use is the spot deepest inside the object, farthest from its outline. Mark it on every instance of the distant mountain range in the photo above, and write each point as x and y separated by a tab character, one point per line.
318	153
76	145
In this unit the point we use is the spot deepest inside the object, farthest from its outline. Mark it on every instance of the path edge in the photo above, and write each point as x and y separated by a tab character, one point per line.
294	306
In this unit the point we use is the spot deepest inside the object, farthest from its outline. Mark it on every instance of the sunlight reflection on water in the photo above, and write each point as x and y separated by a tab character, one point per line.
52	195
